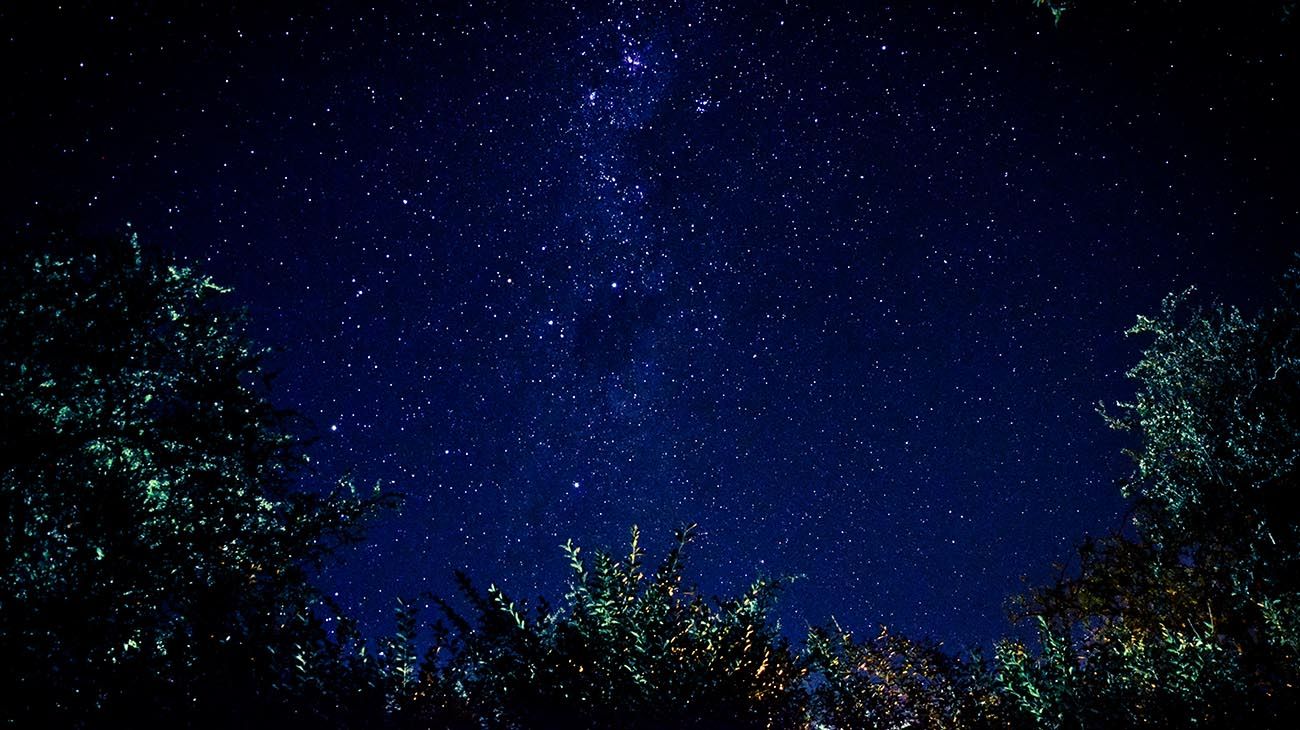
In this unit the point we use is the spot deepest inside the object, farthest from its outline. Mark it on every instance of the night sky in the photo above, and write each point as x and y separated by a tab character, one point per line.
842	284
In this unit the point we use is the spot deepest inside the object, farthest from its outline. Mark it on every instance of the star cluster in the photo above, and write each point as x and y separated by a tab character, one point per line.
840	284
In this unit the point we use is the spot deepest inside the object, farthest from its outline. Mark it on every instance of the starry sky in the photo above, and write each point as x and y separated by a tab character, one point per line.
840	282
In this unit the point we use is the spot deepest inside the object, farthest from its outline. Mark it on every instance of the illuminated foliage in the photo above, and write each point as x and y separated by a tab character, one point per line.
1277	11
1217	410
1057	8
627	650
895	682
1110	674
1194	622
152	552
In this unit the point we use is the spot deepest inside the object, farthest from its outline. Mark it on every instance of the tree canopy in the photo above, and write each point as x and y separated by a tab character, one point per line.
153	545
1195	620
157	550
627	648
161	526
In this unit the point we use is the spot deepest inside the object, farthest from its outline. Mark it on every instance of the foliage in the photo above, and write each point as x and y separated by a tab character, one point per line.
1194	622
1057	8
627	650
1278	11
155	557
895	682
1270	14
152	552
1118	577
1218	412
1112	674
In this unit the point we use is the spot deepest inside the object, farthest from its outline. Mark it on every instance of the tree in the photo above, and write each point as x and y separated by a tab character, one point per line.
1195	620
892	681
627	650
153	552
1217	412
1111	674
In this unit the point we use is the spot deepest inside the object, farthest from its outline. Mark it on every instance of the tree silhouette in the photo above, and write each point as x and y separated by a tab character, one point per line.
892	681
626	650
1196	621
152	552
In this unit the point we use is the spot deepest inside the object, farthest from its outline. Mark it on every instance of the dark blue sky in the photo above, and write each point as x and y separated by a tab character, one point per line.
842	284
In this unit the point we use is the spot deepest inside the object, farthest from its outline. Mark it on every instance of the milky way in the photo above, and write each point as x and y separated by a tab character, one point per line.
841	285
